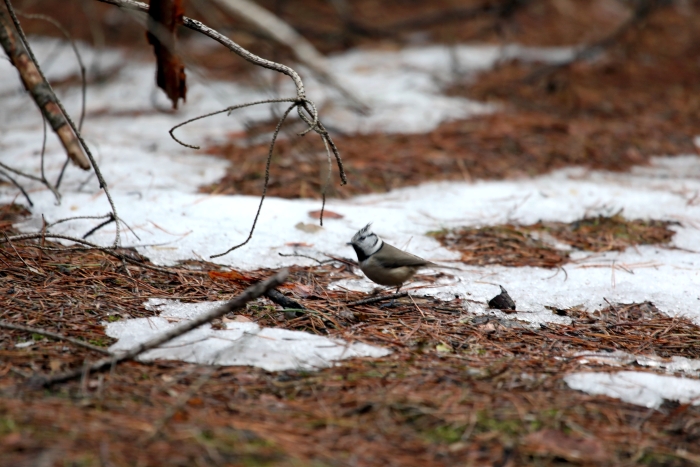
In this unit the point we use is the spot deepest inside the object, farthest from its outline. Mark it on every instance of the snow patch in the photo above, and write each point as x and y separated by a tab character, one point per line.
645	389
240	344
621	358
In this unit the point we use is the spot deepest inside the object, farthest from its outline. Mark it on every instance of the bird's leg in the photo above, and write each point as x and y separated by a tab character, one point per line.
392	303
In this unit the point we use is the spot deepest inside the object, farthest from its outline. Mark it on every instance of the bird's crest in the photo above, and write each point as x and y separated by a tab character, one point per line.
366	242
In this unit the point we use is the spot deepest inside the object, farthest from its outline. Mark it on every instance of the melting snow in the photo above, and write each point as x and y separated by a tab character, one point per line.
620	358
240	343
645	389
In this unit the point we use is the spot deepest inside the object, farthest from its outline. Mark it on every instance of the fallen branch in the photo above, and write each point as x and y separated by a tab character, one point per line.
280	299
251	293
380	298
41	92
53	335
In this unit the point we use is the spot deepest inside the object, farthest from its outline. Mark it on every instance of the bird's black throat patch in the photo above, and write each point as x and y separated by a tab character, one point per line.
361	255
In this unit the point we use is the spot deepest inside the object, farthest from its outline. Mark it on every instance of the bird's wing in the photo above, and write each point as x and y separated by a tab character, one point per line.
391	257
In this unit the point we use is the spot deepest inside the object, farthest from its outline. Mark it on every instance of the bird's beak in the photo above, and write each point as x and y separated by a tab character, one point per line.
349	243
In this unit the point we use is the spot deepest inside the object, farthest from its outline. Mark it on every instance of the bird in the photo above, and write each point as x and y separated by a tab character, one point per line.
385	264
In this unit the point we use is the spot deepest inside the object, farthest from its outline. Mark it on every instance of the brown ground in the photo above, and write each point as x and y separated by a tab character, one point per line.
533	245
642	98
458	389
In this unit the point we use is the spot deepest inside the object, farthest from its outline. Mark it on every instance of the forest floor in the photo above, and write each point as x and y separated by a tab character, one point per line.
458	389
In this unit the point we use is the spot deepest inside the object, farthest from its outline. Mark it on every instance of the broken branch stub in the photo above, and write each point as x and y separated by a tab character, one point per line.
40	92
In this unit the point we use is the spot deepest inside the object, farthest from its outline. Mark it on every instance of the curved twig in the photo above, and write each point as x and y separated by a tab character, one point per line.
301	102
227	109
44	180
267	179
19	187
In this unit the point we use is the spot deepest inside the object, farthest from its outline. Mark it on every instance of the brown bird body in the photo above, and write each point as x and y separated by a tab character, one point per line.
385	264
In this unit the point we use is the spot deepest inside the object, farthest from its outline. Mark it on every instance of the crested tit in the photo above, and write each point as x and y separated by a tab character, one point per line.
383	263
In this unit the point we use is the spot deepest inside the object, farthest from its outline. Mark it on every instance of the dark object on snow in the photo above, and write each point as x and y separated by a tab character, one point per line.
502	301
164	17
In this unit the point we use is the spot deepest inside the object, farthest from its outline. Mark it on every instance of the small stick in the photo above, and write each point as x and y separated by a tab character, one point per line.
280	299
53	335
381	298
251	293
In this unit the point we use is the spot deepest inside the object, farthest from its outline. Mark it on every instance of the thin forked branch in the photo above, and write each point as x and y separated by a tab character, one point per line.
301	102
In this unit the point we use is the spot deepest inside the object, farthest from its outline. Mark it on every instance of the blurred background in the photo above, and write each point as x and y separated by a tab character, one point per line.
630	91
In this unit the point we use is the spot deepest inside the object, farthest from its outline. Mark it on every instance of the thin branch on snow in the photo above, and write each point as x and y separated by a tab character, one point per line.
251	293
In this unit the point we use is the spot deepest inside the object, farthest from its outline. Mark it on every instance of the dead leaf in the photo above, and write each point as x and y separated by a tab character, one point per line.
237	319
299	244
233	276
165	17
302	290
326	215
555	443
308	228
55	365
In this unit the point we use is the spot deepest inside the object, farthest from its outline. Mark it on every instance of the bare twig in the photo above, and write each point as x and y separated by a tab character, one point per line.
228	110
19	187
280	299
267	179
251	293
99	226
35	82
81	65
301	102
297	255
53	335
381	298
223	40
285	35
